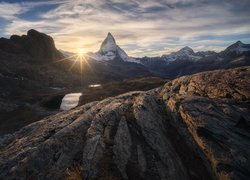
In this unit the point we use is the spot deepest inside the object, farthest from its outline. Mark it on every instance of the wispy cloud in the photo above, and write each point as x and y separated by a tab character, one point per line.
141	27
9	11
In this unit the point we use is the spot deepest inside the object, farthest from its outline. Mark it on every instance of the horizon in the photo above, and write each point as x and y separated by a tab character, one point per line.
175	24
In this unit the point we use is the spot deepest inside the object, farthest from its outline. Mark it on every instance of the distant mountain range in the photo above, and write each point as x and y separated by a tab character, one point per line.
183	62
187	53
111	62
186	61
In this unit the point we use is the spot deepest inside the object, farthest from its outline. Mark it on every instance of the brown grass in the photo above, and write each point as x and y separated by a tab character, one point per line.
74	172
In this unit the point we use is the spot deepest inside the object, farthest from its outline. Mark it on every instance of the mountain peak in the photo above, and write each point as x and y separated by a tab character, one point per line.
184	53
236	44
237	47
108	45
109	34
187	49
239	43
109	50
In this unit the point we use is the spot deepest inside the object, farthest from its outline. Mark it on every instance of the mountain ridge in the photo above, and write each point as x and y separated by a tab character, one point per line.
188	62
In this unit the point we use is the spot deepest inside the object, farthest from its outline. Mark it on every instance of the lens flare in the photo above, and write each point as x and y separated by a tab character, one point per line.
80	59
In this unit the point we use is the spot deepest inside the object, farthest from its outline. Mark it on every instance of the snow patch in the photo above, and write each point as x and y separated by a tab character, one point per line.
184	53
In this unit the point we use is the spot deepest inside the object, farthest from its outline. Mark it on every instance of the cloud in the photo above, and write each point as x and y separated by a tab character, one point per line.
9	11
152	27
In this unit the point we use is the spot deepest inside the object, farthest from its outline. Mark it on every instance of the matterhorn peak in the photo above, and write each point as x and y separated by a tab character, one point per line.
108	45
109	34
109	50
110	37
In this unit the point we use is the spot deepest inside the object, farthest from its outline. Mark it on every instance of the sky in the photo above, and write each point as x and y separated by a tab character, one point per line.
140	27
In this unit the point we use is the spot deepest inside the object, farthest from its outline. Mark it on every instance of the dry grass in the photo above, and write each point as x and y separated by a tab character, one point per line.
75	172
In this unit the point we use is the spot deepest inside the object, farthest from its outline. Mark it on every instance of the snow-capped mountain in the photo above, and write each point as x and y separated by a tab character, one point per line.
186	61
184	53
205	53
108	46
109	50
237	48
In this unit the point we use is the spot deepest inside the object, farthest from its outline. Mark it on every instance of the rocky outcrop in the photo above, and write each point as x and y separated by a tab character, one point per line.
195	127
35	44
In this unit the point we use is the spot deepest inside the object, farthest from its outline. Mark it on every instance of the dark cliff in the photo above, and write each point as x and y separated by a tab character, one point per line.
35	44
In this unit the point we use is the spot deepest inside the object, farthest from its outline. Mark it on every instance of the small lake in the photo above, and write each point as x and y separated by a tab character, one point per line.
70	101
94	85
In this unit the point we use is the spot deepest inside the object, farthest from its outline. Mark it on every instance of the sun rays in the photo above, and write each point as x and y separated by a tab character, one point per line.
80	52
78	60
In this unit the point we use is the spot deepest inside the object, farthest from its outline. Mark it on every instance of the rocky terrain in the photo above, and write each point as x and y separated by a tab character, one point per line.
194	127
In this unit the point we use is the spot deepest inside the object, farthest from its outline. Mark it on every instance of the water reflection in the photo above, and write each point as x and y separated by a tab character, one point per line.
94	85
70	101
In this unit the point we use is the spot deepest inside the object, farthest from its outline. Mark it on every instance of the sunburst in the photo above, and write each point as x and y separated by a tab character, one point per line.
79	57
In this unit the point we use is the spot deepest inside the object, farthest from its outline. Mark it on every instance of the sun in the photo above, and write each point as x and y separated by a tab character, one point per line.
80	53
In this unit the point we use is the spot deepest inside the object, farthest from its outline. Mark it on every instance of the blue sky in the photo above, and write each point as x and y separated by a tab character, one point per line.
141	27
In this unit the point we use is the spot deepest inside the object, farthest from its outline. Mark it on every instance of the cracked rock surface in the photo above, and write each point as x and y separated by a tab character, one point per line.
194	127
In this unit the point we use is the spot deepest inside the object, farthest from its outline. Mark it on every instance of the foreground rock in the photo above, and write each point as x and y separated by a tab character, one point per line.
195	127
